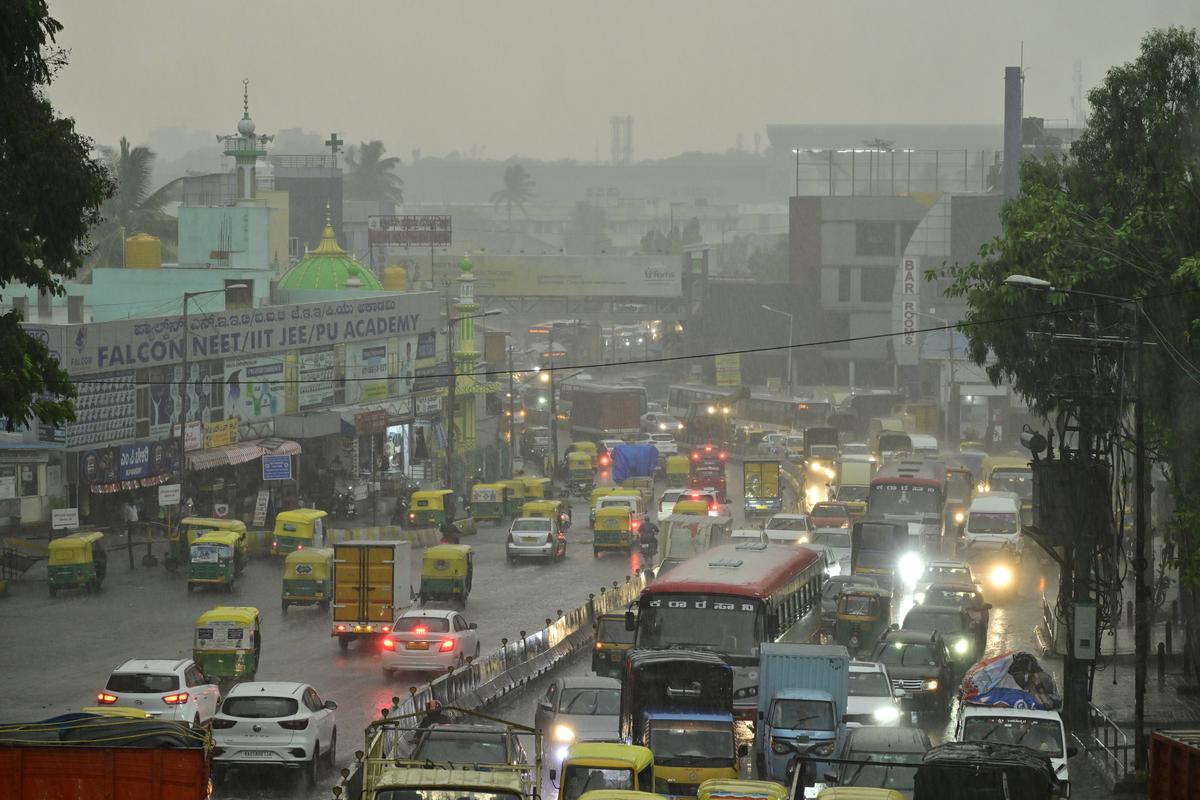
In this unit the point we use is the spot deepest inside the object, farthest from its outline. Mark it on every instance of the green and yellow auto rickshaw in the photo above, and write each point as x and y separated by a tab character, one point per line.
189	530
487	501
216	559
579	470
679	470
446	573
587	765
537	488
298	529
514	498
76	562
584	447
597	493
722	789
613	644
549	509
641	485
614	530
863	614
228	643
308	578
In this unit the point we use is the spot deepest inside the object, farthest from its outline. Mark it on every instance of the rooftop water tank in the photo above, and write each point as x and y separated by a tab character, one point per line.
143	251
395	278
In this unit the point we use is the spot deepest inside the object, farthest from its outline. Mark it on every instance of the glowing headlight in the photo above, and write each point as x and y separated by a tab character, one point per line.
560	753
563	733
931	685
662	426
961	647
959	517
886	714
911	566
816	467
1001	576
919	598
679	426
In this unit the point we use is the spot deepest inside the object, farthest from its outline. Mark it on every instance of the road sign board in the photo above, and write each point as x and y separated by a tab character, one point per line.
276	468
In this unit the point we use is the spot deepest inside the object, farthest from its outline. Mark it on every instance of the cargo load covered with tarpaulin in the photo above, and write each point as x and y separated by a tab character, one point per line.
1011	680
633	461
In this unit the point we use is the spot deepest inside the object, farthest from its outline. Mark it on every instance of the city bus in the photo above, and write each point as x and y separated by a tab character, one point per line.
782	413
913	491
731	599
681	398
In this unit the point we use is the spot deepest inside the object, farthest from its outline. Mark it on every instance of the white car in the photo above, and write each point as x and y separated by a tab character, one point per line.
1041	731
667	502
838	541
751	535
657	421
665	444
274	723
796	527
429	639
535	537
872	699
173	689
944	571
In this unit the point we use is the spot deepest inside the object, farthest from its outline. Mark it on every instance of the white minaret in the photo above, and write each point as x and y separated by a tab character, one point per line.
245	147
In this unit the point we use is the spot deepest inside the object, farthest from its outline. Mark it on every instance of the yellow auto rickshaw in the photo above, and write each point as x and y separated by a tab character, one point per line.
487	501
689	506
76	562
514	498
430	508
614	530
597	493
641	485
298	529
679	470
859	793
549	509
446	573
189	530
613	644
216	559
723	789
613	766
538	488
228	643
308	578
620	794
584	447
863	614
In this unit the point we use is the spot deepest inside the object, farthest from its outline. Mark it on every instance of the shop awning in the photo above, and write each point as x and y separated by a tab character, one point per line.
241	452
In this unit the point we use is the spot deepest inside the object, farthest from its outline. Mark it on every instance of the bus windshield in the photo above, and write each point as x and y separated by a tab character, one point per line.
731	626
905	499
1013	480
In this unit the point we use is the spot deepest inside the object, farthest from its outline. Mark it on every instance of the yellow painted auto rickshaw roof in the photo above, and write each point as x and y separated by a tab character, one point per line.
310	555
455	780
607	755
686	507
215	524
247	615
579	455
678	459
492	486
858	793
535	481
116	711
542	504
605	491
75	540
991	462
717	787
231	538
301	515
514	483
448	551
588	447
620	794
613	511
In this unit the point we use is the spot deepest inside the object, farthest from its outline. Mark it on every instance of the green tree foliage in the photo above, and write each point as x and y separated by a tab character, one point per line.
132	208
52	192
371	176
1119	216
770	263
516	191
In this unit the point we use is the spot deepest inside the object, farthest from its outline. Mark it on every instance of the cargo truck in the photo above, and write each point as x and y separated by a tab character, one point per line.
875	547
372	584
762	488
802	695
606	412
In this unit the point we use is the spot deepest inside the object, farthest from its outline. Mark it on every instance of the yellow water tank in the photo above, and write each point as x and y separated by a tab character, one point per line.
395	278
143	251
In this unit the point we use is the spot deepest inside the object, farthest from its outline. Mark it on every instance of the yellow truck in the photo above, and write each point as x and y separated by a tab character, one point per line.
763	489
372	584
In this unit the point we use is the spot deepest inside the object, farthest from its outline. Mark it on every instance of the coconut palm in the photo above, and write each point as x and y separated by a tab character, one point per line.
370	175
517	191
133	208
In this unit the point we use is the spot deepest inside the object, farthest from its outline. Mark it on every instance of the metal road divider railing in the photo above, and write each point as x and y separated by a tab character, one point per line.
484	681
1109	743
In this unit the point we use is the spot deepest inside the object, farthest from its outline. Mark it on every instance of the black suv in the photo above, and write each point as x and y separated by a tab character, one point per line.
920	664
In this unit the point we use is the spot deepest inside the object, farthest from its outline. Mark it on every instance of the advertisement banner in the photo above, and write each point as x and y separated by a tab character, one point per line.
165	394
316	375
729	369
254	388
409	347
129	462
366	373
906	316
104	411
567	275
220	434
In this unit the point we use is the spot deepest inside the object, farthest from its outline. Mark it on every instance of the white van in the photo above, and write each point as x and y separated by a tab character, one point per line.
993	521
924	445
1041	731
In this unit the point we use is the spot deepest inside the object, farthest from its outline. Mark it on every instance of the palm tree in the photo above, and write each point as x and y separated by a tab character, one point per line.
517	191
133	208
371	176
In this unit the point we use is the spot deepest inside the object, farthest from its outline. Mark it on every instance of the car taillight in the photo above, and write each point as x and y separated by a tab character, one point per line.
446	646
293	724
341	628
385	628
636	524
222	723
274	543
389	643
695	456
708	448
177	699
299	547
721	456
106	699
420	629
713	507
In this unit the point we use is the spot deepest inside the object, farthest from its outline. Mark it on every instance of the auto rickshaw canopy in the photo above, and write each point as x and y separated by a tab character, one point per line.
487	493
73	549
582	447
686	506
859	793
620	794
722	789
542	508
299	517
229	538
447	560
515	486
605	755
213	524
227	628
865	602
315	563
605	491
614	518
536	487
678	465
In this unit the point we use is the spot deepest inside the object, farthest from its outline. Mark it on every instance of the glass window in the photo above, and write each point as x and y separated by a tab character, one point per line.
1043	735
579	779
461	747
259	707
727	625
813	715
422	625
931	621
29	480
443	794
875	239
683	743
844	285
613	630
142	683
540	525
591	702
840	540
900	654
869	684
992	522
877	284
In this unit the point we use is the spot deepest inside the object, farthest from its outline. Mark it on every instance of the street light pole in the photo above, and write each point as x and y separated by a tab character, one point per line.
553	406
512	418
791	320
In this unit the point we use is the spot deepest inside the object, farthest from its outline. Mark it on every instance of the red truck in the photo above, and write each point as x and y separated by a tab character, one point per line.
104	757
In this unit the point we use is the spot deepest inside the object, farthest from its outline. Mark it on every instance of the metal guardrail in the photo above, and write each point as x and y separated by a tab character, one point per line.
1109	742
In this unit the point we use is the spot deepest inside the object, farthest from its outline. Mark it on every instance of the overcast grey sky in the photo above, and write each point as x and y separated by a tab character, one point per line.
541	78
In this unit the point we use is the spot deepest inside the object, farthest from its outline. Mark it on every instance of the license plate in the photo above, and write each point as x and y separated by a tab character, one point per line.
257	754
417	646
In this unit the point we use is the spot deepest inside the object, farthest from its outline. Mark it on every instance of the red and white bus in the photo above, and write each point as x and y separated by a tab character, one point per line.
731	599
912	491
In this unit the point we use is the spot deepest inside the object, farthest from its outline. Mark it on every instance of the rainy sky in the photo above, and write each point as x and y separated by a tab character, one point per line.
540	78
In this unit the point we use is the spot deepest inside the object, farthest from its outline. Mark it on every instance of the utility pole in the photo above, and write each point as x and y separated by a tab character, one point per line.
1141	557
450	396
553	407
512	416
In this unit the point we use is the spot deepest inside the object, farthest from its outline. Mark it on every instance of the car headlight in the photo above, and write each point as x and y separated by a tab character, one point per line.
780	747
1001	576
560	753
919	598
961	647
815	467
564	733
931	685
911	566
823	749
886	714
959	517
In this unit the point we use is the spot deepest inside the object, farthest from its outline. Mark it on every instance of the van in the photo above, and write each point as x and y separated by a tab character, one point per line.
993	521
634	502
923	444
1040	731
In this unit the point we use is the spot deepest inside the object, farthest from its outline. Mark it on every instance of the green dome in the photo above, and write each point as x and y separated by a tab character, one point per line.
329	268
465	265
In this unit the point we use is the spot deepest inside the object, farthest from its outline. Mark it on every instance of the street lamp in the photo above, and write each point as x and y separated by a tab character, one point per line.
183	385
1141	543
451	396
791	319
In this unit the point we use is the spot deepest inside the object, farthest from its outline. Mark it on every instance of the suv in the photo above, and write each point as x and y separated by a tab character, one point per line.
173	689
956	627
920	664
535	537
275	724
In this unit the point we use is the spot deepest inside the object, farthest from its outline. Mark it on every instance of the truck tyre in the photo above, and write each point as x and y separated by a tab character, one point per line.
283	604
343	643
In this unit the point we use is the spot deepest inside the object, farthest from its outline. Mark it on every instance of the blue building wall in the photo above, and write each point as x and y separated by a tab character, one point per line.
243	231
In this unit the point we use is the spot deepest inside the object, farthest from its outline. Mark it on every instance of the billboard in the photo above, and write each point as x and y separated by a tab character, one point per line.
254	388
316	376
906	313
409	230
366	372
563	275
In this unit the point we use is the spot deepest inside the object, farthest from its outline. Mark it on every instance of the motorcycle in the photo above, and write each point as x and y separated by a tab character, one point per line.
344	505
648	539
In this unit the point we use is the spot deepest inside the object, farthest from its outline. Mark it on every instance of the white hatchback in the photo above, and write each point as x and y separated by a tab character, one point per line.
429	639
274	723
173	689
